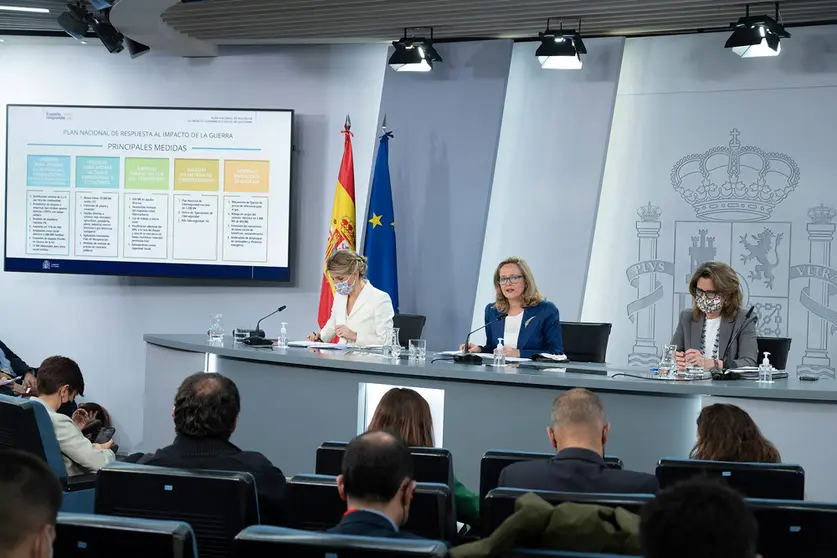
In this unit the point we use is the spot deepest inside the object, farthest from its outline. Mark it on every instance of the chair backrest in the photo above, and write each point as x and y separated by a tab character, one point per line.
410	326
527	552
430	464
268	542
793	529
317	506
585	342
25	425
778	347
499	503
87	535
777	481
494	461
217	504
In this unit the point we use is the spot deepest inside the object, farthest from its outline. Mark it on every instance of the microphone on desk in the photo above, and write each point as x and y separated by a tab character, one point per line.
258	332
737	332
469	358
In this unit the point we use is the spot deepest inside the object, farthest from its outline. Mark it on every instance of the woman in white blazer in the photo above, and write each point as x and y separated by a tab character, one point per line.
361	314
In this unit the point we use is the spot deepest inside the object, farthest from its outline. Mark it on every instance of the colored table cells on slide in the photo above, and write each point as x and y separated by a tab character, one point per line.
97	172
145	173
48	171
197	175
247	176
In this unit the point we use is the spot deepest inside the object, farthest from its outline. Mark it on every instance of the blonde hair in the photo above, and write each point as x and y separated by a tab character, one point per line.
346	262
726	284
531	295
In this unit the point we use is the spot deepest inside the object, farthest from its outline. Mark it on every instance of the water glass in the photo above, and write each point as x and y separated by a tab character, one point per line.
667	362
216	326
418	349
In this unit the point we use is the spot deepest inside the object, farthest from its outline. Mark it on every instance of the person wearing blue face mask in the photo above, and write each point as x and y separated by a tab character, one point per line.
704	334
361	314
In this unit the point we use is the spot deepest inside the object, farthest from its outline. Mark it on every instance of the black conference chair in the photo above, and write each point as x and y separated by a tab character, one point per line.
25	425
494	461
410	326
90	536
794	529
269	542
499	503
585	342
217	504
317	506
430	464
527	552
778	347
754	480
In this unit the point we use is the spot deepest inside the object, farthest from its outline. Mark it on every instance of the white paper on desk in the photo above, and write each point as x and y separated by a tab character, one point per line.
318	345
7	382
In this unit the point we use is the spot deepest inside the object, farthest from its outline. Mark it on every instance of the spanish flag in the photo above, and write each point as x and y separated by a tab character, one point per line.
341	232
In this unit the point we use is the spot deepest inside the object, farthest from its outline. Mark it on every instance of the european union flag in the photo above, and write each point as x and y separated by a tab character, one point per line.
379	243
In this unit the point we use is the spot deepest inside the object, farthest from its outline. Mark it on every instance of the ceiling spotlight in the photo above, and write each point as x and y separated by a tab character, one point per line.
24	9
414	54
561	50
75	21
759	36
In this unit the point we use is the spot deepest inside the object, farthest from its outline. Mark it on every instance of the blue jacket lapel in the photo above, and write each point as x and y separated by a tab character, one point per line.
527	326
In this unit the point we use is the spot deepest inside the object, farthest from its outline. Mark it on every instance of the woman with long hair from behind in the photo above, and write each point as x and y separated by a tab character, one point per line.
405	412
727	433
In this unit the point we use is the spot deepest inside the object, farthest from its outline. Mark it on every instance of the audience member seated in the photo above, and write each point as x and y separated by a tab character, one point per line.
407	413
15	367
30	496
377	485
206	409
59	382
727	433
698	518
579	433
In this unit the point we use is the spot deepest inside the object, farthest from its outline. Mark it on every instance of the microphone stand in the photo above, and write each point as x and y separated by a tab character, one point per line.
470	358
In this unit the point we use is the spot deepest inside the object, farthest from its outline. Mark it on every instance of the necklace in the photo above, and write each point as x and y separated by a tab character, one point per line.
717	344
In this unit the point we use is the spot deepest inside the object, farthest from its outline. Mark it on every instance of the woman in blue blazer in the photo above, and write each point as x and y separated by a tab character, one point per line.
532	325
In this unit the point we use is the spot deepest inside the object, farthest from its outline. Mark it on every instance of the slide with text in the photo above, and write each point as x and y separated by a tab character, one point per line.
148	191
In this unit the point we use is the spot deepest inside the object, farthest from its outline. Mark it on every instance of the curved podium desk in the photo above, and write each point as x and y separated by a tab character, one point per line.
295	399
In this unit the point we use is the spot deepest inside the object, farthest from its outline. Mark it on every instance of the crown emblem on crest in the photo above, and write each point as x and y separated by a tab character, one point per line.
649	212
735	183
822	215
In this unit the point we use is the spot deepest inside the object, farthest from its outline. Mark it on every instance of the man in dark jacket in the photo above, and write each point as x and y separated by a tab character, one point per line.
579	433
377	485
205	415
15	366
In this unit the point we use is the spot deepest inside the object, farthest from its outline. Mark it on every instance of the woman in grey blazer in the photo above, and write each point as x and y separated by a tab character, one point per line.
716	333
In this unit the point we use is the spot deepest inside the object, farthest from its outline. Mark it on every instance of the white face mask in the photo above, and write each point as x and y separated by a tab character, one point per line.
344	288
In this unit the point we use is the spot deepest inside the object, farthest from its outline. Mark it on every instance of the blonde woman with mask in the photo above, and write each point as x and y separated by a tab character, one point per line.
361	314
532	324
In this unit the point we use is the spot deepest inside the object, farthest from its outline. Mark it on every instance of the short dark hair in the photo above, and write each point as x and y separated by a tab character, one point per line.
375	465
206	406
31	496
698	518
57	371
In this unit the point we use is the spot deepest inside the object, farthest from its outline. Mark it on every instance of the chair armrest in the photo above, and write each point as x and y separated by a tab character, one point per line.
80	482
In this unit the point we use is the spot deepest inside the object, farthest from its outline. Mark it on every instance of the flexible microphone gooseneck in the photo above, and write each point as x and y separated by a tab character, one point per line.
469	358
258	332
737	332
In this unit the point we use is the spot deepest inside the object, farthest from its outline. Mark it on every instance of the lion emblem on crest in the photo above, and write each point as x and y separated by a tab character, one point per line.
760	251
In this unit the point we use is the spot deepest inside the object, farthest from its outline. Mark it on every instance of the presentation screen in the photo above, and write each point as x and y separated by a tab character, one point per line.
148	191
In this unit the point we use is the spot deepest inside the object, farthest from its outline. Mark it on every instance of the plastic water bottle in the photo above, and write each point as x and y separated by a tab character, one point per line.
500	353
765	370
282	342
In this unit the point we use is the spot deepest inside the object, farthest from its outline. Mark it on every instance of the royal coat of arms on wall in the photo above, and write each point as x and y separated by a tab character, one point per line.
733	190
